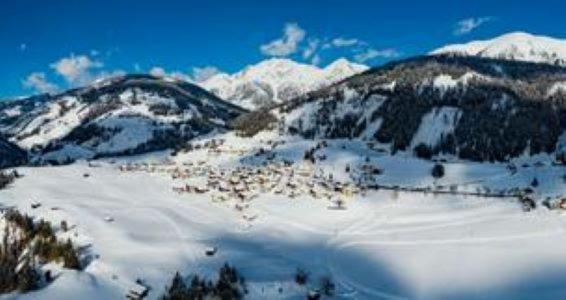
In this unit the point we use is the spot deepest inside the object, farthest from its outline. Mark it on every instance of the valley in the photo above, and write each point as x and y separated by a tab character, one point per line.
140	221
438	176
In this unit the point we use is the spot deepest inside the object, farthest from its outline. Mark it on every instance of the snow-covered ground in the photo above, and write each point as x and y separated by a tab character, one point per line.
384	245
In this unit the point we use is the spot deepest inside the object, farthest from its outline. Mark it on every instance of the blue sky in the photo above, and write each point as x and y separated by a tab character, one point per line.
49	45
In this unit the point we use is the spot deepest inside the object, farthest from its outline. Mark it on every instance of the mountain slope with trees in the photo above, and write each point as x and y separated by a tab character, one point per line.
476	108
118	116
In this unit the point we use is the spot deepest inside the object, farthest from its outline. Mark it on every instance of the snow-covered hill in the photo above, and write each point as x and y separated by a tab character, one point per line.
475	108
122	115
277	80
513	46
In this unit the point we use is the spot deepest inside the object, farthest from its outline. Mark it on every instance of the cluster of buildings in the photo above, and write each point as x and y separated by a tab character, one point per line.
241	184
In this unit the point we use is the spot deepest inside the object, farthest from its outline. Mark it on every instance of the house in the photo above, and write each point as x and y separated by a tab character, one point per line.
137	292
201	189
210	251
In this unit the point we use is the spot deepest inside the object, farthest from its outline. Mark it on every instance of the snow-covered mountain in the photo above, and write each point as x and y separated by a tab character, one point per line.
472	107
121	115
277	80
513	46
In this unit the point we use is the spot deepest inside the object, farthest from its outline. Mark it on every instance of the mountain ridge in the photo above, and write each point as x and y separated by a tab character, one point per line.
471	107
517	45
277	80
122	115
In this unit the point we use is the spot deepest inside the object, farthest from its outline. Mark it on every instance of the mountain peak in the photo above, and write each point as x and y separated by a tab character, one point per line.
277	80
343	63
518	35
518	45
343	66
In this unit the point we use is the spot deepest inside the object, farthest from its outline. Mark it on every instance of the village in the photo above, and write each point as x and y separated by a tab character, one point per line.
241	184
264	172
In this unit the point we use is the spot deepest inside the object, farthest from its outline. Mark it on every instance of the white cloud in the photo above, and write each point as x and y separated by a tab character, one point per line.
311	48
342	42
316	49
288	44
38	82
468	25
157	72
316	60
76	69
107	74
161	72
371	53
204	73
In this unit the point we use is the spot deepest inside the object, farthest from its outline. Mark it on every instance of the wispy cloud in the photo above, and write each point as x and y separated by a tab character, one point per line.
311	48
343	42
371	53
286	45
38	82
466	26
314	49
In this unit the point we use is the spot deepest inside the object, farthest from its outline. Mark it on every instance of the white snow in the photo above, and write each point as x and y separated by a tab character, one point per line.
558	87
54	122
133	131
385	244
277	80
513	46
445	82
13	112
439	122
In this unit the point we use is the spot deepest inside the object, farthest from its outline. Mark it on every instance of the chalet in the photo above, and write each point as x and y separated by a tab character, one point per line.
137	292
234	180
240	188
223	187
201	189
210	251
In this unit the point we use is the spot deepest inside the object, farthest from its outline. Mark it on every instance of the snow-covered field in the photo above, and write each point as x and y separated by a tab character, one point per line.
384	245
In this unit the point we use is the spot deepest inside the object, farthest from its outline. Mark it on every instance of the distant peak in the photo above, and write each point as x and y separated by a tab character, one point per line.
517	34
516	45
343	63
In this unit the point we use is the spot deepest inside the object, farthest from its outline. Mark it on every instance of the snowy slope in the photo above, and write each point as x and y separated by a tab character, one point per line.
277	80
513	46
122	115
473	107
384	245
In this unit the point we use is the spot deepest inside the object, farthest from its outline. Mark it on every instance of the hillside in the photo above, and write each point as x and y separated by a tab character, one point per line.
10	154
475	108
122	115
